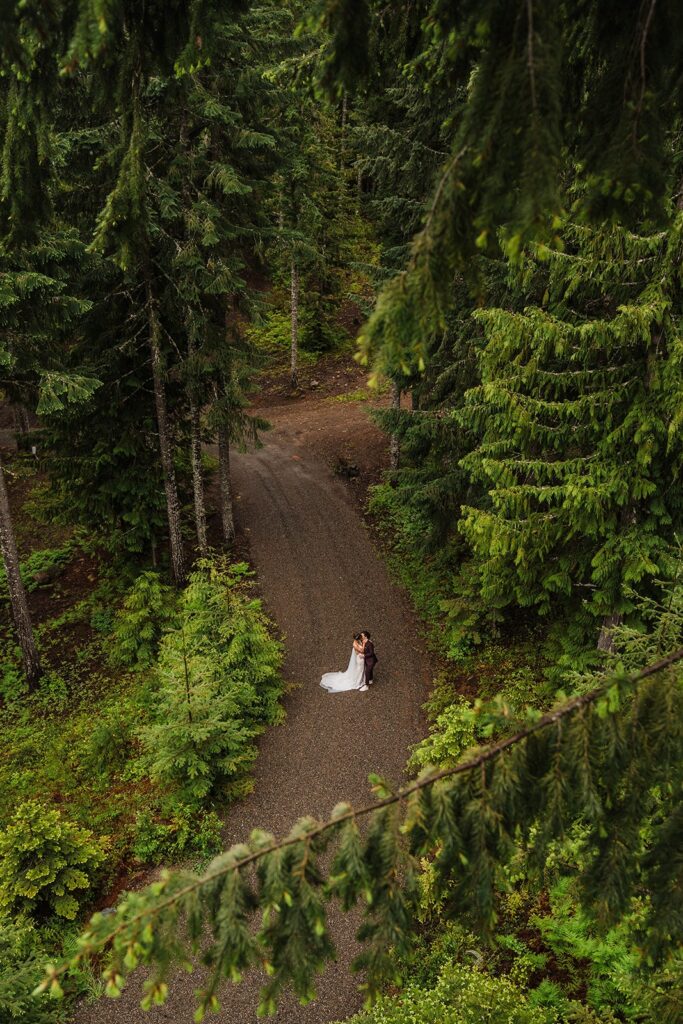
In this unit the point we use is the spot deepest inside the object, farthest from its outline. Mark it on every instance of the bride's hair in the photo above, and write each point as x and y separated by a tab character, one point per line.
357	636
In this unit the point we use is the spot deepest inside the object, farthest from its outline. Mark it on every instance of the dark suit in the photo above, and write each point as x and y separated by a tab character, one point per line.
371	660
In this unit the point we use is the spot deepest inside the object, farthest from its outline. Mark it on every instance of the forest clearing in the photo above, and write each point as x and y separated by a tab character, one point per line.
341	443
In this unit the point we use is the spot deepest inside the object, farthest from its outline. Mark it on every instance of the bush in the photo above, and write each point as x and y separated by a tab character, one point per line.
450	735
39	568
109	747
22	968
12	678
139	624
436	579
44	860
219	685
461	995
604	962
185	833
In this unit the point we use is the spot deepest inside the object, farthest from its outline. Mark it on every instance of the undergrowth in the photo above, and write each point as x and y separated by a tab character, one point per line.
93	753
548	962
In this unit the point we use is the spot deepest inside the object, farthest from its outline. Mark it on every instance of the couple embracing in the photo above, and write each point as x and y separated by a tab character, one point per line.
358	675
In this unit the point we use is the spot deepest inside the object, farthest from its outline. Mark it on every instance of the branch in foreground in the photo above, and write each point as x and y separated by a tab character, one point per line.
596	758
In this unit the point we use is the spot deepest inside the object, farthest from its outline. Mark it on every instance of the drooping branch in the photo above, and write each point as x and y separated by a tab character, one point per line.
437	813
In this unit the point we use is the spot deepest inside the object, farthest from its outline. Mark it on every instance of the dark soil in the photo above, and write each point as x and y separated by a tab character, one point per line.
340	433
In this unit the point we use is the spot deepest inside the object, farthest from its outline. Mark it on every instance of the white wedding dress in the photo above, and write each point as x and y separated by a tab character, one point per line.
352	679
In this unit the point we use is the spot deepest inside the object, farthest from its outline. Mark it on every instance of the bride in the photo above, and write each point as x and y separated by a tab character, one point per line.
354	677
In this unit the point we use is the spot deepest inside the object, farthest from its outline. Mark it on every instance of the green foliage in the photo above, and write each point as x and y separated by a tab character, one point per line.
12	678
186	832
530	98
360	395
450	735
272	332
147	610
109	747
219	685
461	995
22	959
610	760
57	390
40	568
428	572
611	977
46	863
580	499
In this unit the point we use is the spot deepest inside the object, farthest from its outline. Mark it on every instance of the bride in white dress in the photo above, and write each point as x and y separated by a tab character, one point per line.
354	677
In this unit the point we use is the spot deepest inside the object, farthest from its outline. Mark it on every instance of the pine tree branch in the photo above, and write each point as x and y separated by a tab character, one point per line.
92	946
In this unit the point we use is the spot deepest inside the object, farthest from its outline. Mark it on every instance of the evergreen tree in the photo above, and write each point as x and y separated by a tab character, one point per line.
38	310
179	215
231	151
578	410
218	683
538	81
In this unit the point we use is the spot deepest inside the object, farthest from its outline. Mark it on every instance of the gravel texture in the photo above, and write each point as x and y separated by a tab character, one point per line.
322	581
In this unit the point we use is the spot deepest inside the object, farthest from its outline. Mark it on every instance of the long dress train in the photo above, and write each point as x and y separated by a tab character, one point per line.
352	679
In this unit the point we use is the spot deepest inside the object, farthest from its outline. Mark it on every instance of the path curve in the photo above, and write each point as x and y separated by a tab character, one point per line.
322	580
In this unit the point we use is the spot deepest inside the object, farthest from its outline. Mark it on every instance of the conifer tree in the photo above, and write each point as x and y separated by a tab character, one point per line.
38	258
303	189
535	84
229	158
181	222
578	411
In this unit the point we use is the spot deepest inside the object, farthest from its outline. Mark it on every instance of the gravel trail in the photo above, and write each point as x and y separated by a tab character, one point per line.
322	581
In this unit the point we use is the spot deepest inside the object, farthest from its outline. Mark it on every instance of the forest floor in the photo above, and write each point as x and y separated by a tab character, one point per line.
322	580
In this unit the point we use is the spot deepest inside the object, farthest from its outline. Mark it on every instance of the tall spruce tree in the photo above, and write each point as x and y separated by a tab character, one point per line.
186	154
579	411
537	82
37	317
39	258
515	95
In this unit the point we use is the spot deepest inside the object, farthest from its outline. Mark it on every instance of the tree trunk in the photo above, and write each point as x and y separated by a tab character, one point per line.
342	133
606	637
22	426
165	449
295	326
394	446
197	479
227	515
195	421
17	593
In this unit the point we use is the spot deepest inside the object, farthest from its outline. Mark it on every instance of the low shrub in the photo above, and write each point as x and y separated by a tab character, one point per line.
109	748
139	624
186	833
450	735
40	568
461	995
22	968
45	863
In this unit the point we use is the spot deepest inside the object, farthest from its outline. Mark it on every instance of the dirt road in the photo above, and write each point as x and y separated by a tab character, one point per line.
322	581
